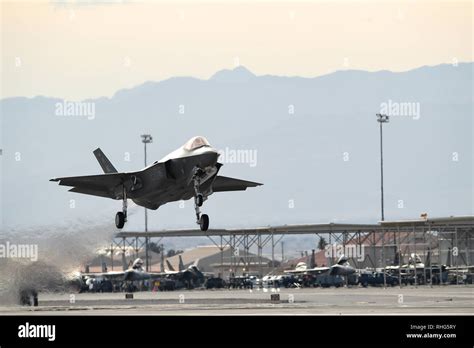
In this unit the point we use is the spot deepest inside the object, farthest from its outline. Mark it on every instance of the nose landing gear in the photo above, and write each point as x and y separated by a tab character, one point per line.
201	220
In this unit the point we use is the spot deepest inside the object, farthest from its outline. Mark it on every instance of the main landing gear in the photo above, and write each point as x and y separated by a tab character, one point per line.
121	216
199	198
201	220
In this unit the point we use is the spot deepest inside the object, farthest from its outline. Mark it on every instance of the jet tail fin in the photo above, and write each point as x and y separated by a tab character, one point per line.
342	260
104	162
124	262
181	264
428	259
195	264
171	268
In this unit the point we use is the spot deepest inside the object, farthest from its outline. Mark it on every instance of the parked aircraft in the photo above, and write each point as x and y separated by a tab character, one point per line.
342	268
191	275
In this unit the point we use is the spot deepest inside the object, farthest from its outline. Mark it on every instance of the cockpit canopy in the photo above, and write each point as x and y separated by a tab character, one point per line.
196	143
138	263
301	266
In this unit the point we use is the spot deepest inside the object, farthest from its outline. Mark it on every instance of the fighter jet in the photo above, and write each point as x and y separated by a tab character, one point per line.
188	172
136	272
342	268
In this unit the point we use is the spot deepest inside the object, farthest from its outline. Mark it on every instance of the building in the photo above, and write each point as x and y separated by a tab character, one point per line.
380	250
211	260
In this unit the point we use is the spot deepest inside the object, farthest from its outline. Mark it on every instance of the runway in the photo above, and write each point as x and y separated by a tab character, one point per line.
449	300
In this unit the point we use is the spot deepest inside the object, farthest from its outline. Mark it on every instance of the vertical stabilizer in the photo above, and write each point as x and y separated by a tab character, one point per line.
104	162
181	264
170	267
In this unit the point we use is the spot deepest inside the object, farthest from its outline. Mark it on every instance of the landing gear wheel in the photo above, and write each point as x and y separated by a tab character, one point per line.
119	219
199	200
204	222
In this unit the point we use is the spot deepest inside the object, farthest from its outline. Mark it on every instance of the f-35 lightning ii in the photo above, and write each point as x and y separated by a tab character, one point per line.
188	172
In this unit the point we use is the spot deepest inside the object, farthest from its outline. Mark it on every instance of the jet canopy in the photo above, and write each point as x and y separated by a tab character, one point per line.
301	265
195	143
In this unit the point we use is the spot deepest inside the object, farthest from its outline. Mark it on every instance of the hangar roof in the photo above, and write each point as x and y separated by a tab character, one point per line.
307	228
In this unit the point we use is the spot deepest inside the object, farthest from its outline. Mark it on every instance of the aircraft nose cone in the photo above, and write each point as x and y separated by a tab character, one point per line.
211	156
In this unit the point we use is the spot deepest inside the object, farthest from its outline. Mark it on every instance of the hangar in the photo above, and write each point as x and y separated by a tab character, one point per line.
441	237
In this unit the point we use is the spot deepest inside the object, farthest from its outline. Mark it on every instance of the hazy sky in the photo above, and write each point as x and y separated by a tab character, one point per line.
89	50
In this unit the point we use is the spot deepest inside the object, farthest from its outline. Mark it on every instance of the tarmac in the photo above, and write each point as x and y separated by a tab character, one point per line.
421	300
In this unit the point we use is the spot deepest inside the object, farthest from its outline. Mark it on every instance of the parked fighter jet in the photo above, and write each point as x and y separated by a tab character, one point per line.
192	274
342	268
190	171
171	268
135	272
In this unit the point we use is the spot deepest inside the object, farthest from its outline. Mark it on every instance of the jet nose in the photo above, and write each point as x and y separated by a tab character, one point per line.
211	156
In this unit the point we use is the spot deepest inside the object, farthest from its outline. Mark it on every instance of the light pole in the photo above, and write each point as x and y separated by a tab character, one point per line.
381	119
146	139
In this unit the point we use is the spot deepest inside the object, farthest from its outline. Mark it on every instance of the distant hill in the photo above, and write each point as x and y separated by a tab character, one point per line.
317	143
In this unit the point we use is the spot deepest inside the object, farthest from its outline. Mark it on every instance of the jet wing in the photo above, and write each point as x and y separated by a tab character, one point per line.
133	275
105	275
294	271
223	183
103	185
316	270
128	275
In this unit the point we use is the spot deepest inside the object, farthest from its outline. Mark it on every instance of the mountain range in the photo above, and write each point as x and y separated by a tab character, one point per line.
315	143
